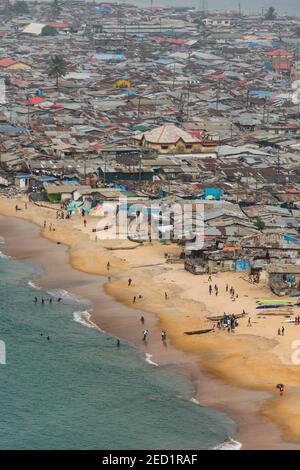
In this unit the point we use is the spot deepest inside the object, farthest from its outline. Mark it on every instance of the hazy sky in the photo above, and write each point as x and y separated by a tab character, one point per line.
283	6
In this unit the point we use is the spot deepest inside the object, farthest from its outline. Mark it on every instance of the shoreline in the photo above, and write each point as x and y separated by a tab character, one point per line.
110	314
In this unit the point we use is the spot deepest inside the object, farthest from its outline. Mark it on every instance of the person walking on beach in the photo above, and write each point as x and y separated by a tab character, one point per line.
108	266
43	301
84	222
142	320
45	224
166	296
145	334
50	300
227	287
249	321
210	289
216	291
278	332
209	278
118	343
282	331
35	300
129	282
163	336
134	299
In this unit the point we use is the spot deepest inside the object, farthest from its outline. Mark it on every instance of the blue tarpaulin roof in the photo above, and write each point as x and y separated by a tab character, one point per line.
13	130
108	57
260	92
288	238
45	179
23	177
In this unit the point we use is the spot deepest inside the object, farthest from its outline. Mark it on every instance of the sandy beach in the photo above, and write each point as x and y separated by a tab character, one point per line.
234	372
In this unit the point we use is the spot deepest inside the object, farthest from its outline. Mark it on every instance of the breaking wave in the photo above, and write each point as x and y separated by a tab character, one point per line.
148	359
231	444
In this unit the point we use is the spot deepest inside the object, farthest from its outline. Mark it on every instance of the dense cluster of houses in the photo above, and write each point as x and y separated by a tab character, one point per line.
161	103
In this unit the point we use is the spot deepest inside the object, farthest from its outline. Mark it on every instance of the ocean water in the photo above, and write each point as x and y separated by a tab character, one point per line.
79	391
290	7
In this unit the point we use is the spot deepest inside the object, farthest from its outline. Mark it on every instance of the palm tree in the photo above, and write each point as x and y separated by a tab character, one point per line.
271	14
56	8
58	68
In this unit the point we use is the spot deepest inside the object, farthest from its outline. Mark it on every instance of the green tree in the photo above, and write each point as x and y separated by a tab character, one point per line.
49	31
20	7
271	14
56	8
260	224
58	68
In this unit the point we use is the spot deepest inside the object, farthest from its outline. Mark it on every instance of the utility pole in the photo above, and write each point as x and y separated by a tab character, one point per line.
278	165
139	106
104	171
218	95
240	10
140	171
28	110
248	94
188	101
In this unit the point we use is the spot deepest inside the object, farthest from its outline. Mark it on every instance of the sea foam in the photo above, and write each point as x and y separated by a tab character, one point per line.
3	256
231	444
84	318
148	359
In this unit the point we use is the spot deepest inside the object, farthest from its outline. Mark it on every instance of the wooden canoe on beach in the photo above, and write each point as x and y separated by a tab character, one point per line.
274	314
198	332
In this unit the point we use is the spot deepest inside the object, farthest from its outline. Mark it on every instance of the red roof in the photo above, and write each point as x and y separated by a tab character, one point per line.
20	83
196	134
170	40
58	24
292	191
285	66
279	53
216	76
7	62
36	100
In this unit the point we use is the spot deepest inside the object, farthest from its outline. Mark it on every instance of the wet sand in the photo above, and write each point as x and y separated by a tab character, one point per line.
214	362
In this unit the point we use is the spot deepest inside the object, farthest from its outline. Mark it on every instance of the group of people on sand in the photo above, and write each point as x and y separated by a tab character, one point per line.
60	215
146	333
51	227
231	291
280	331
229	322
297	320
43	301
210	289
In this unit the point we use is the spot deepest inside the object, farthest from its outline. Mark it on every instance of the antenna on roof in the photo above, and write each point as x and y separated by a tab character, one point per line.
240	10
